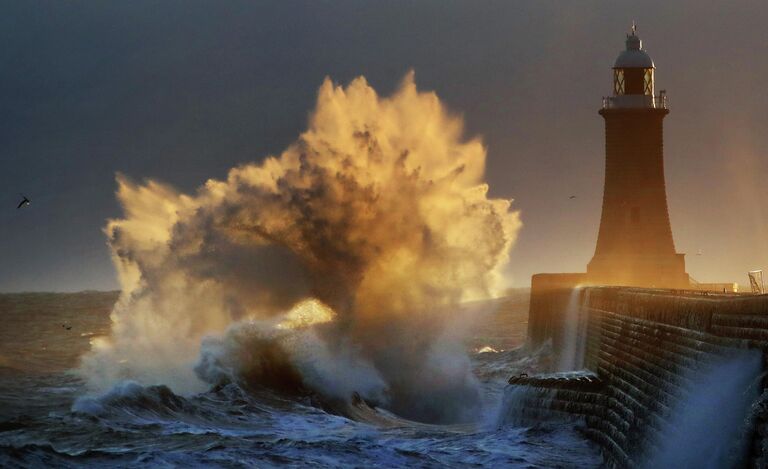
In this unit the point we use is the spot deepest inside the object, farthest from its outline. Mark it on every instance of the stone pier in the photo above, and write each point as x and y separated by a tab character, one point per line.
642	346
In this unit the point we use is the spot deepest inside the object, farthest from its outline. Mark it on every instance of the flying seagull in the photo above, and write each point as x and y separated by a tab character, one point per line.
24	202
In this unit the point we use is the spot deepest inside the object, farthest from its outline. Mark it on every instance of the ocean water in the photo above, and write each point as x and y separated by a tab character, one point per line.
48	419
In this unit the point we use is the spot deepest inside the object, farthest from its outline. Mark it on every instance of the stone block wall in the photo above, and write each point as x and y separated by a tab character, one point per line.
646	347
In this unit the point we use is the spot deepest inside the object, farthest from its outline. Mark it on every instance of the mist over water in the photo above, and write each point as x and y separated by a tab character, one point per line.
378	214
705	428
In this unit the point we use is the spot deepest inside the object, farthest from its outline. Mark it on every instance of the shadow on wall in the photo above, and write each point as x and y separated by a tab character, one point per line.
705	428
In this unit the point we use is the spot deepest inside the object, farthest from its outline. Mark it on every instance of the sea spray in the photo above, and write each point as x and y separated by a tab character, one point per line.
377	211
704	430
292	361
522	405
574	338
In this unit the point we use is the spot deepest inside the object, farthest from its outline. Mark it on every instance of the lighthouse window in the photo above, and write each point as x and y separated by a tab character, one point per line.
634	81
648	81
618	82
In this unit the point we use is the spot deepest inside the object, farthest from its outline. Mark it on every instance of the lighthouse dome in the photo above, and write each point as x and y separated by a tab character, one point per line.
633	78
634	56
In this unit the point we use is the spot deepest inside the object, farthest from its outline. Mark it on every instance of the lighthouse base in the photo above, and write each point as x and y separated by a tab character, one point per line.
642	270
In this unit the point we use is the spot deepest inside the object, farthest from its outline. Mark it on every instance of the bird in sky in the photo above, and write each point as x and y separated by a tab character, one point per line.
572	197
24	202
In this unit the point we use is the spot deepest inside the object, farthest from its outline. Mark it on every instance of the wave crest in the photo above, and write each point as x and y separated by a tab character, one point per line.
378	212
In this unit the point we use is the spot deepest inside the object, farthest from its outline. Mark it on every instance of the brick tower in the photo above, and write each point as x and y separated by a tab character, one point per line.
634	244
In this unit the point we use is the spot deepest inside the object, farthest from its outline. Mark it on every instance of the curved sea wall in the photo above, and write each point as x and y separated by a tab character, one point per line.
669	363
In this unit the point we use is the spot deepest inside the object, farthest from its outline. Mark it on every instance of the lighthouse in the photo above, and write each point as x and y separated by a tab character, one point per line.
634	243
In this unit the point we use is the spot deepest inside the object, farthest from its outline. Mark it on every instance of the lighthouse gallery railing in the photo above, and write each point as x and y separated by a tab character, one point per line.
635	101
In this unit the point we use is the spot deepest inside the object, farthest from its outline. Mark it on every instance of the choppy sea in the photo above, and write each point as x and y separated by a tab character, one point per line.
48	418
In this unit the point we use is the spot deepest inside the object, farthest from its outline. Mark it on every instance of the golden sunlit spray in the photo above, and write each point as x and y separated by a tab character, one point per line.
373	224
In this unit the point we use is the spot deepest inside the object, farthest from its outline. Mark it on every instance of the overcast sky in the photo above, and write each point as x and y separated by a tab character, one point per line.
180	91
